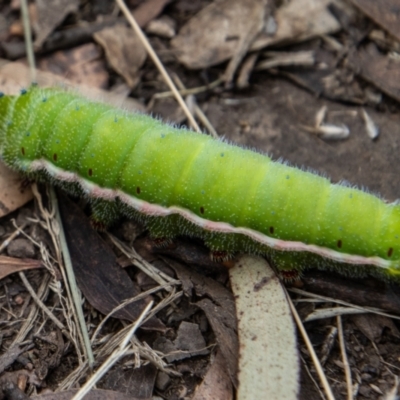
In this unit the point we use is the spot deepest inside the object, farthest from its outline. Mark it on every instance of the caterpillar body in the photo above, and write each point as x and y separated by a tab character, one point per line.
180	182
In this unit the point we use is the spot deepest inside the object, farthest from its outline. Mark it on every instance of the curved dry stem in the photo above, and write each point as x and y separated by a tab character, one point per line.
345	361
158	63
310	348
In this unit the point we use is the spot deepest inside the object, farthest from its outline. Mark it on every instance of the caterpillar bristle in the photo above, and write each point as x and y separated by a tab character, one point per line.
221	256
290	275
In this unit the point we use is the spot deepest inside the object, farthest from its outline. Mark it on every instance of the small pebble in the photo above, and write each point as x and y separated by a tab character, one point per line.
23	215
162	380
366	377
21	248
164	27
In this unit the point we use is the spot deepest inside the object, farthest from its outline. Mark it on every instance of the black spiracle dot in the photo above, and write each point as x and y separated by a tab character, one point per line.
55	156
271	230
1	95
90	172
23	150
201	210
23	91
390	252
44	99
138	190
339	243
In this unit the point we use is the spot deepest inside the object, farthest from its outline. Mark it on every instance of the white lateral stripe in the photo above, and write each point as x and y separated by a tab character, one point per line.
93	190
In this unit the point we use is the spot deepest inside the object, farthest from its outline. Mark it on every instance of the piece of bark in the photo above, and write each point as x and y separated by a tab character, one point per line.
136	382
124	51
13	192
380	70
50	15
102	281
231	29
368	292
385	13
219	307
10	265
148	10
216	384
8	358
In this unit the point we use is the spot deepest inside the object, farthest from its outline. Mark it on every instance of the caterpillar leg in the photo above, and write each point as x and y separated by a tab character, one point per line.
219	250
162	230
289	265
221	256
104	213
290	275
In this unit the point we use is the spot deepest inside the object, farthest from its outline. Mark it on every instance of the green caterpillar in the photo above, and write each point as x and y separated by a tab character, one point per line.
180	182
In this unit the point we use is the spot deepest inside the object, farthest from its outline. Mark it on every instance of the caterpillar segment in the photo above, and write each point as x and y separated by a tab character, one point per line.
179	182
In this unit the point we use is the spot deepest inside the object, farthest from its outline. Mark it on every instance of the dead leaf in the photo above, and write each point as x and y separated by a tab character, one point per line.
219	307
13	193
216	384
231	28
300	20
10	355
328	81
81	65
378	69
190	339
124	51
10	265
267	336
148	10
50	14
256	15
188	343
385	13
296	21
102	281
372	325
137	382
